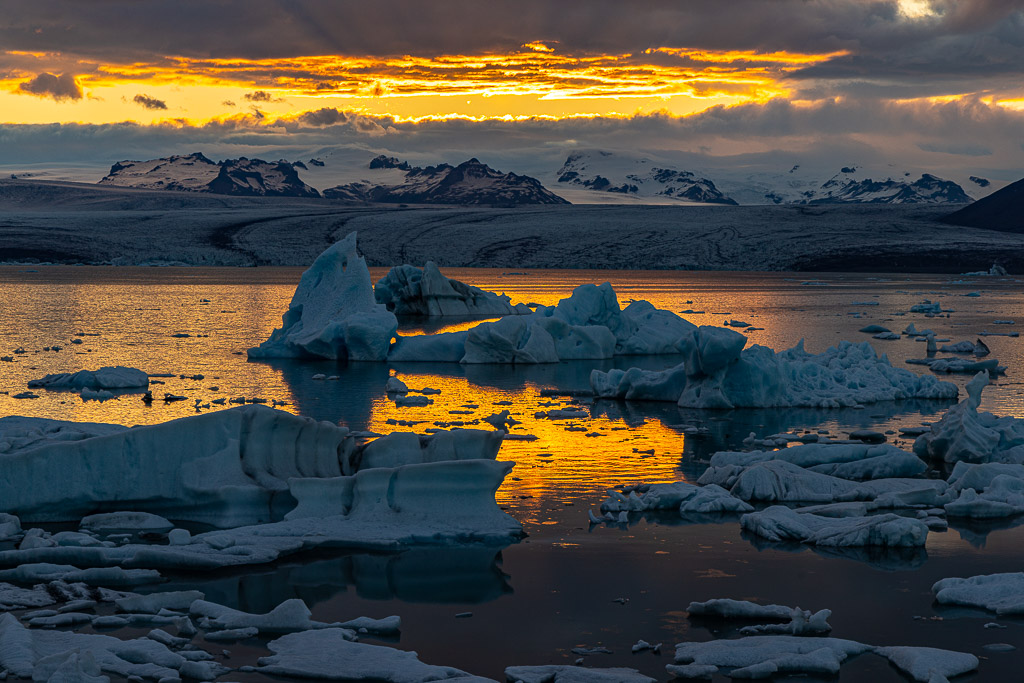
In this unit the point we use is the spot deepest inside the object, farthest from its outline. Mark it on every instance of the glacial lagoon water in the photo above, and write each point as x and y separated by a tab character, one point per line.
567	584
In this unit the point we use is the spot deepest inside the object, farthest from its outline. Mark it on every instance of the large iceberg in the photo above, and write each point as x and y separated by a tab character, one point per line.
225	468
964	434
718	372
407	290
588	325
333	313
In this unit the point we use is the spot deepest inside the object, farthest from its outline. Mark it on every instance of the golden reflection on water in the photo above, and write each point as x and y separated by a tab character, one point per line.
132	314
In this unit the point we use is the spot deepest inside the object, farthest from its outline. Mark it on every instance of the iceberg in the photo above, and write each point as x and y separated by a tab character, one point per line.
42	653
564	673
680	495
798	621
118	377
770	655
434	503
782	524
999	593
967	435
407	290
225	468
719	373
332	654
333	313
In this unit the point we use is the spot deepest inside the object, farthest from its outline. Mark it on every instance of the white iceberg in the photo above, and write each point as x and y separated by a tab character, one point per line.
999	593
564	673
407	290
799	622
448	502
40	653
766	656
226	468
929	664
588	325
332	654
118	377
782	524
964	434
719	373
680	495
333	313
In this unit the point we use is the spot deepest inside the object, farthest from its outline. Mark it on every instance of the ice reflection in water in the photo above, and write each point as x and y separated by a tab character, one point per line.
556	590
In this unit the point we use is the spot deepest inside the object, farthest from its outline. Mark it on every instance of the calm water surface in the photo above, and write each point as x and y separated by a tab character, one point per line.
560	588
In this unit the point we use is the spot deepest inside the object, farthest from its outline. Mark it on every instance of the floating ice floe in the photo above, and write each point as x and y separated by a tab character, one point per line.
333	313
782	524
999	593
770	655
407	290
332	653
798	622
105	378
960	365
719	373
41	654
126	521
681	496
965	434
564	673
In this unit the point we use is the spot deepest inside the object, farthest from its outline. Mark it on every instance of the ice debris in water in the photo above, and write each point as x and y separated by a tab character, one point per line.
105	378
719	373
771	655
407	290
333	313
562	673
798	622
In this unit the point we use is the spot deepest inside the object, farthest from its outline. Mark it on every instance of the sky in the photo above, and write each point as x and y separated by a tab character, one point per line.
936	83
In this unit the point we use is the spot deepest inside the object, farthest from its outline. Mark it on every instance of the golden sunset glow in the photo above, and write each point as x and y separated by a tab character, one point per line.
536	80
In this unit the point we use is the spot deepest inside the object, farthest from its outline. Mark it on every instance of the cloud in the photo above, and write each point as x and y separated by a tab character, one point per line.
149	102
60	88
228	103
258	96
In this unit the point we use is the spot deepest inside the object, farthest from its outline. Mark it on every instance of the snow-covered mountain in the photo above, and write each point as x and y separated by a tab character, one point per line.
196	173
637	177
669	177
469	183
843	187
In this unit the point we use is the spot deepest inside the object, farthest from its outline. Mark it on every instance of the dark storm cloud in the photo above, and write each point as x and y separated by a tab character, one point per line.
62	87
149	102
274	28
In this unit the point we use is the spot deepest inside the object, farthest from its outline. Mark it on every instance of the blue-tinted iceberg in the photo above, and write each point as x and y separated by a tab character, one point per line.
407	290
719	373
333	313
